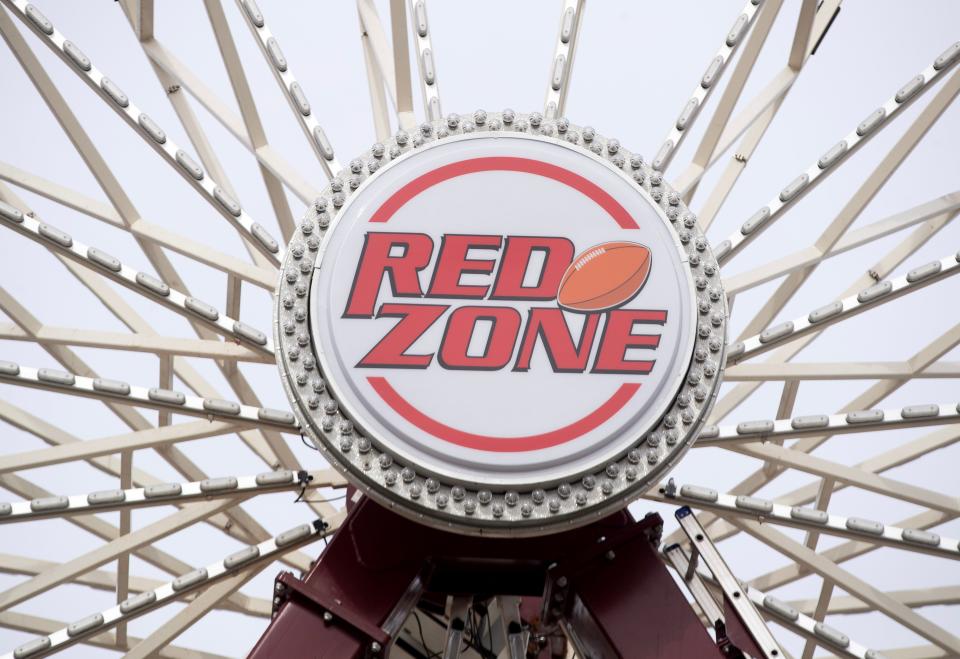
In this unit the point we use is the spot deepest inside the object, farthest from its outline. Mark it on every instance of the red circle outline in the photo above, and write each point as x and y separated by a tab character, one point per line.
507	164
571	431
581	426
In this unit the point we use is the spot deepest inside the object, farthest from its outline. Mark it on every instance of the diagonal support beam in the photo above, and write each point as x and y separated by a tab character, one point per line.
253	233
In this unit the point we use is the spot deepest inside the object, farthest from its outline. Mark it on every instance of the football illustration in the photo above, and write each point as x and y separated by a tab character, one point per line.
604	277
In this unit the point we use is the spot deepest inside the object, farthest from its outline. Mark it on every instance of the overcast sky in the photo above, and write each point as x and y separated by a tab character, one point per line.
636	65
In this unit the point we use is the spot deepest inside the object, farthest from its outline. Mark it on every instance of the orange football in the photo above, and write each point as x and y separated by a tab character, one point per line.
604	277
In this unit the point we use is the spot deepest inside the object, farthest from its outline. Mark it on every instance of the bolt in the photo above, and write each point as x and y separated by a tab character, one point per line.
610	555
375	647
327	616
562	582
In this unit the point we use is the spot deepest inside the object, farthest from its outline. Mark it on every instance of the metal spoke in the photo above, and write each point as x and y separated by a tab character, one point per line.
152	397
111	550
712	75
793	371
828	638
230	487
757	110
822	317
812	464
810	519
280	68
945	206
106	581
561	66
158	345
265	154
429	86
839	152
108	641
853	585
148	232
153	289
243	561
911	416
741	392
256	235
268	445
92	448
883	462
915	598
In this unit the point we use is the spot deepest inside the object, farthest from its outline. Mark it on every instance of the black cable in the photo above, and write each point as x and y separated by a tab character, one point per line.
339	498
307	444
423	641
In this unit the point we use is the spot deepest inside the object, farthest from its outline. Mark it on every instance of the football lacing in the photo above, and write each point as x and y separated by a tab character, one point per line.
589	256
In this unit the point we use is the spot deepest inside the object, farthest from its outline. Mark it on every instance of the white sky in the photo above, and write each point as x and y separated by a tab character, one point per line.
637	63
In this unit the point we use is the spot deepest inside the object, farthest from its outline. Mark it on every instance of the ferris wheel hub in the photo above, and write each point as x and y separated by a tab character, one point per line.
501	323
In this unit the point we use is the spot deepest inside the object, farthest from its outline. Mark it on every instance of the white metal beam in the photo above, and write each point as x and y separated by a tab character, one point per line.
159	399
561	65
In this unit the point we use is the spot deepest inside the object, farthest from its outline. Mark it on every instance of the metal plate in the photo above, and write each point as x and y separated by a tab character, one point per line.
503	412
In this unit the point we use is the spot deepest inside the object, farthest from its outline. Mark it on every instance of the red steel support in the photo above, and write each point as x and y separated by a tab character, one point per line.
604	584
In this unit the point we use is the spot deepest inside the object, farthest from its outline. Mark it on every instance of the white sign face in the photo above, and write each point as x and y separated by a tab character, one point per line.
500	326
503	310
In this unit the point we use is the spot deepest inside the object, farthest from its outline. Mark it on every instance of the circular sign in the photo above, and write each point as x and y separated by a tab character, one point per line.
509	324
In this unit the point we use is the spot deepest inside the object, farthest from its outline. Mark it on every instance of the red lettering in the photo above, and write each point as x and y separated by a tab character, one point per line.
550	326
500	342
376	261
517	252
391	351
452	264
618	337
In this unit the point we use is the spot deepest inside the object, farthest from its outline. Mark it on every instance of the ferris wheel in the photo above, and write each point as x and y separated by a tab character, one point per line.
495	329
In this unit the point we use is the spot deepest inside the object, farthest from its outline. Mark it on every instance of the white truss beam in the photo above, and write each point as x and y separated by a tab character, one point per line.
282	73
564	51
141	229
806	371
266	155
135	440
812	464
710	81
865	193
111	550
161	494
765	430
850	144
423	41
159	399
830	639
944	206
159	345
757	109
929	355
108	641
810	519
107	581
914	598
731	95
242	562
141	283
253	233
268	445
200	606
855	586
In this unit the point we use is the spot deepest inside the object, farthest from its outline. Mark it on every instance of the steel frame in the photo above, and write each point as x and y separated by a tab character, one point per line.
226	342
